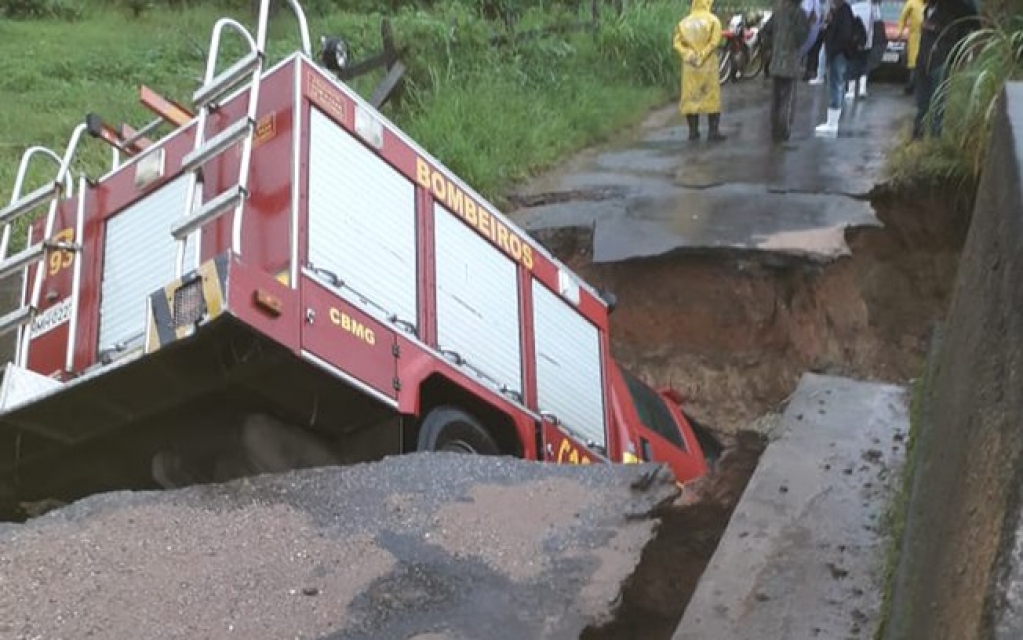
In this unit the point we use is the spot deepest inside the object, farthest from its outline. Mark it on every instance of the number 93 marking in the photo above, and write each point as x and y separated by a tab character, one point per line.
61	259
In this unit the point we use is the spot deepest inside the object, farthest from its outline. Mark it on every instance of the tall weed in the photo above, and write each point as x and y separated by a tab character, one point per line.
978	69
638	43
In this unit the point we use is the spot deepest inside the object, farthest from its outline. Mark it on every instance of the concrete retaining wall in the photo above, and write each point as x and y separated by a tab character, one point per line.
961	573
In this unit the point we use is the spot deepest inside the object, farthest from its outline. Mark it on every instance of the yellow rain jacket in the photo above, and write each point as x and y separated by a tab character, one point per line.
696	40
913	17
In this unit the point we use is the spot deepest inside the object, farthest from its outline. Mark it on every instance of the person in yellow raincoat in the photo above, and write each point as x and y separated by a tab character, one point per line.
696	40
912	17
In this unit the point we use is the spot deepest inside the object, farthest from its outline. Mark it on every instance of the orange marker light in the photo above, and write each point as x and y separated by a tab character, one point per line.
268	302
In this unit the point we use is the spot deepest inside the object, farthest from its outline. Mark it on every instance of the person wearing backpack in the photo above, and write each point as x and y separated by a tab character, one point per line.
863	27
838	47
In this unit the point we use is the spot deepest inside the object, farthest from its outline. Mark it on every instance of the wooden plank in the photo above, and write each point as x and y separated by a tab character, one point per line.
387	85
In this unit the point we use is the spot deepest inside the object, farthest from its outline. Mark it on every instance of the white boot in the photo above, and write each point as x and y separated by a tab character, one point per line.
829	128
822	67
863	86
850	91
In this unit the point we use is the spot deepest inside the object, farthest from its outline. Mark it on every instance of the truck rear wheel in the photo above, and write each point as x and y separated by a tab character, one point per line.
451	429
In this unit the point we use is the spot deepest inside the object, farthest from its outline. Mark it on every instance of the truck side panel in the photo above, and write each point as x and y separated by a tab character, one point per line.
477	301
344	106
340	335
266	225
569	366
52	324
362	219
138	258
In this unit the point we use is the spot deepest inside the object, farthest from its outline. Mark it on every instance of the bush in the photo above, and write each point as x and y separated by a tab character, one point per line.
67	10
979	68
638	42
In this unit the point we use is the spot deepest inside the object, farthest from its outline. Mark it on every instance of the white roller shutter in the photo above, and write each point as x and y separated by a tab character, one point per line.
477	301
362	222
138	259
568	365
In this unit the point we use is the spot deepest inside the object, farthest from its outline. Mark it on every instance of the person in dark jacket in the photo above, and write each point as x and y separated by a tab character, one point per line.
946	23
839	45
791	29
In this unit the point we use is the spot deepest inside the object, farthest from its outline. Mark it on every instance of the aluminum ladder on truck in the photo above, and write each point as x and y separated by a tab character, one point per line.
205	100
21	318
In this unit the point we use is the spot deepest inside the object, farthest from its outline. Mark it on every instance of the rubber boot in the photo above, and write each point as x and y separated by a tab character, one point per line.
830	127
694	126
714	121
863	86
850	90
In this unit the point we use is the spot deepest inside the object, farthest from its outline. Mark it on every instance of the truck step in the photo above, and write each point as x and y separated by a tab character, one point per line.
17	318
217	144
223	83
21	259
209	211
15	210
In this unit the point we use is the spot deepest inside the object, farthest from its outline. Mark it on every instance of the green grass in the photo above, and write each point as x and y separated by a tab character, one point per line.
495	115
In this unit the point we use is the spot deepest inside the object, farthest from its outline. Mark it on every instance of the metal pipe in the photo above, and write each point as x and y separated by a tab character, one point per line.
218	28
76	282
19	183
69	153
303	25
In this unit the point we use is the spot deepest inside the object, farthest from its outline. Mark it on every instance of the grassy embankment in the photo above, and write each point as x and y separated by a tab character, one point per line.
979	69
494	114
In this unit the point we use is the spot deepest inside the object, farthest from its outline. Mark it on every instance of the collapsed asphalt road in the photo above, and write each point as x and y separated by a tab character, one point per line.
660	193
440	546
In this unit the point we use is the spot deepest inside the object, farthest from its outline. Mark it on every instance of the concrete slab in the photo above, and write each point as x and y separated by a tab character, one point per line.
661	193
444	545
803	556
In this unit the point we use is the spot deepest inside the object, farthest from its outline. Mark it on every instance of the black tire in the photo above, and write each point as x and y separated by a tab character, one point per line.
448	428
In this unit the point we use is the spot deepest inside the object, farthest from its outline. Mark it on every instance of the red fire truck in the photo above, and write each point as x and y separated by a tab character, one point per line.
287	274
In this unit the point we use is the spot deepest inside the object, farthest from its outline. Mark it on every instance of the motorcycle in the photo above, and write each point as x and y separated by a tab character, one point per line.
740	55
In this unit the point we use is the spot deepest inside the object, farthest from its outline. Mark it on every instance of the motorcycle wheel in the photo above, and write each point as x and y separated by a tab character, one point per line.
754	64
724	65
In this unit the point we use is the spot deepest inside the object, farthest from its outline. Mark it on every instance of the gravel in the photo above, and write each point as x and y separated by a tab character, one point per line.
425	546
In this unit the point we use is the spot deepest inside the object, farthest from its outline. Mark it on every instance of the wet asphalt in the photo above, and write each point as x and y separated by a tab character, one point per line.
658	192
425	546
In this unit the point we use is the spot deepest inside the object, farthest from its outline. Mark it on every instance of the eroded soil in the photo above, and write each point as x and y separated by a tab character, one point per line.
735	330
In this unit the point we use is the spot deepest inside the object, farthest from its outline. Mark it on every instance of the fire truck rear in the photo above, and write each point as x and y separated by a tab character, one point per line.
285	279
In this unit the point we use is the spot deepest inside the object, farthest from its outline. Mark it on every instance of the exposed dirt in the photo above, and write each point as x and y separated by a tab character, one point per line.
734	330
655	596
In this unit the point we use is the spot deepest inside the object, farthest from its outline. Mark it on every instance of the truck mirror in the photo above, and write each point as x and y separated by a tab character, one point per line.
335	53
